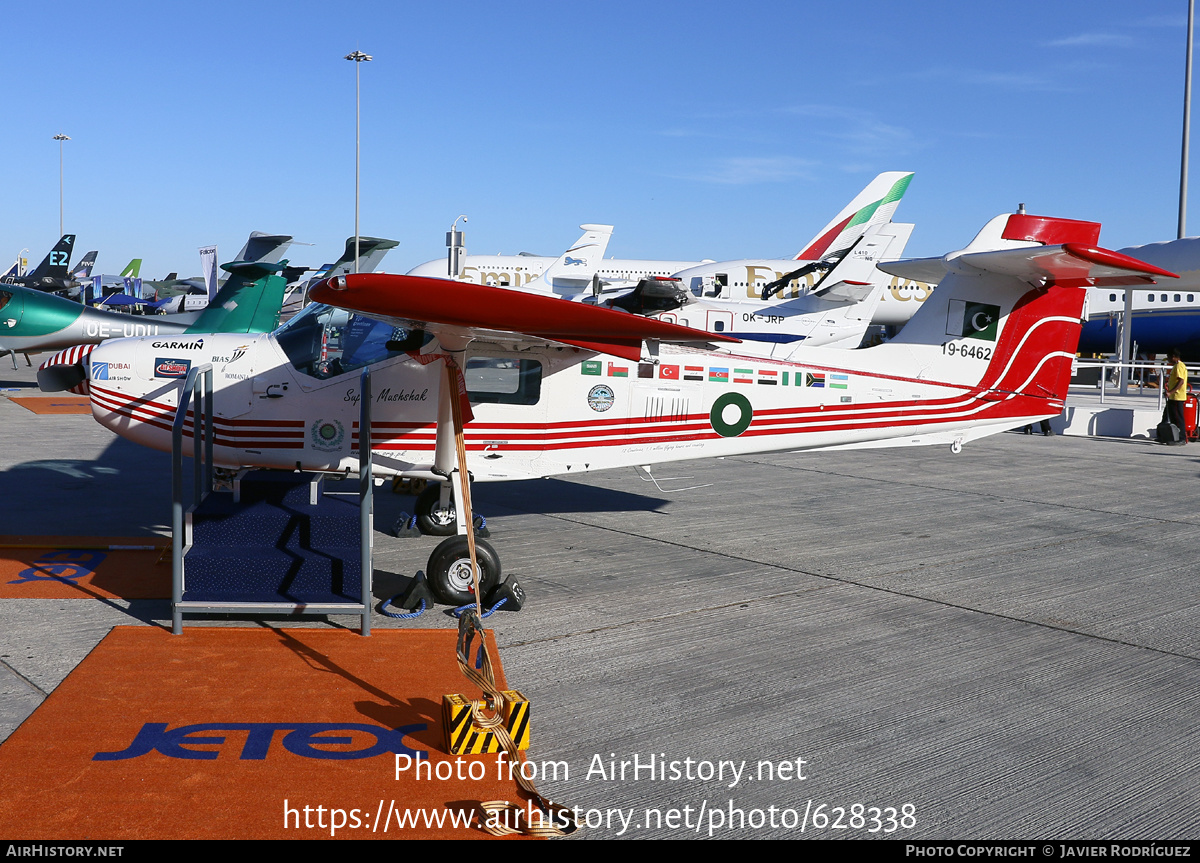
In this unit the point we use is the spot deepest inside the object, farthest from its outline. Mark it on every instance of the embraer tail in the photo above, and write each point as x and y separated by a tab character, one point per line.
54	265
574	269
133	269
874	205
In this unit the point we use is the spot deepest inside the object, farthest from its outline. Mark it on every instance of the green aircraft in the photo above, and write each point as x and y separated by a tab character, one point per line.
32	322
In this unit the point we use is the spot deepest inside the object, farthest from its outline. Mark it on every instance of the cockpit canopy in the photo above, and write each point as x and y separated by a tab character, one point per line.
324	342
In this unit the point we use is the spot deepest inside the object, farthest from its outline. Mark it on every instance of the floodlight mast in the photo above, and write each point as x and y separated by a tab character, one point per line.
359	58
60	137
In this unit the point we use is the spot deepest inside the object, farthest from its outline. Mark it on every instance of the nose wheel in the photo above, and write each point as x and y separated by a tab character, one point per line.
432	518
449	570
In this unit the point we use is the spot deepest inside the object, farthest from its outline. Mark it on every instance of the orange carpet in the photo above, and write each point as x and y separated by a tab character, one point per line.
224	733
83	567
54	404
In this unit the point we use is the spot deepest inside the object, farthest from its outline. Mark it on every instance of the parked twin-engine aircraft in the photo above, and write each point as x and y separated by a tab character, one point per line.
561	388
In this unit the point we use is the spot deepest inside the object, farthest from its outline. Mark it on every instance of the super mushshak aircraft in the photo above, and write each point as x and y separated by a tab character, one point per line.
557	387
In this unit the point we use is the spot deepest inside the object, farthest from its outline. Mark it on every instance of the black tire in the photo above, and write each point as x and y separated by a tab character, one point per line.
449	570
432	520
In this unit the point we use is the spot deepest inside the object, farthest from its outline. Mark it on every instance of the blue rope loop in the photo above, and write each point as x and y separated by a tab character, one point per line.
461	610
401	616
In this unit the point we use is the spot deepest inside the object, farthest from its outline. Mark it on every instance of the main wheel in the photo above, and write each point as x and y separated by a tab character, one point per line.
431	518
449	570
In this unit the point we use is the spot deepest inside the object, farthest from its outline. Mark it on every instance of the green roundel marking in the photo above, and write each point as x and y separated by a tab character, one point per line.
735	428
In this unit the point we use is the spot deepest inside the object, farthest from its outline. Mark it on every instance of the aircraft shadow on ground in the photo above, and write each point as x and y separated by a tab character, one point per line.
551	496
126	491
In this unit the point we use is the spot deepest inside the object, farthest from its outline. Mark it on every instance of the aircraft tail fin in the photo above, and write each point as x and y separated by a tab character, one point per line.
133	269
371	251
248	302
874	205
54	265
575	267
855	276
269	248
1006	316
83	269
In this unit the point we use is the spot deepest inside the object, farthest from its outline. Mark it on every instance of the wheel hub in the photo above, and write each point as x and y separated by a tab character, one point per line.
460	575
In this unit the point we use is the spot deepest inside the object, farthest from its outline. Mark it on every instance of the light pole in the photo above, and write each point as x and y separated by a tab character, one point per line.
1187	121
60	137
359	58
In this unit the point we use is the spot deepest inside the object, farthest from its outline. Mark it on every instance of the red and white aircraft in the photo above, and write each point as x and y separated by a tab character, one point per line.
561	388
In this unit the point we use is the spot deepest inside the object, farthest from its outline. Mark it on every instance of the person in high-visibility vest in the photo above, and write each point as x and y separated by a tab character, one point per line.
1176	393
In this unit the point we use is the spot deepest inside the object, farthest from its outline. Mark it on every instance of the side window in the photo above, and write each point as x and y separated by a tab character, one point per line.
5	296
504	380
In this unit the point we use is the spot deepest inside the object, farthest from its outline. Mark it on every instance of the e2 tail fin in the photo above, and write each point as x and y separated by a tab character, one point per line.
54	265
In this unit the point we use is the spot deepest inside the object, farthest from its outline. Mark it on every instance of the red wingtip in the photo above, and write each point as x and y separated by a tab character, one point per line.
1115	259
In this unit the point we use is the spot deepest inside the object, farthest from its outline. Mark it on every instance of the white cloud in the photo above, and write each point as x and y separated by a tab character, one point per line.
744	170
1088	40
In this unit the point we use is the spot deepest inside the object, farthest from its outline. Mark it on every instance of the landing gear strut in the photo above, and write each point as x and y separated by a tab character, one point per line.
433	519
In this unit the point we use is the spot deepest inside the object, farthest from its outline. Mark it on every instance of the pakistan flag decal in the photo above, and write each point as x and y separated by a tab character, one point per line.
970	320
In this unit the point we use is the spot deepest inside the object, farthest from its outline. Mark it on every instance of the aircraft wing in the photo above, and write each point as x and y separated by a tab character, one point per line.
1056	263
927	270
462	310
1070	262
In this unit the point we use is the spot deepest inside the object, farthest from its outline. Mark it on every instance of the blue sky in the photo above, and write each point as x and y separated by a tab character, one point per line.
698	129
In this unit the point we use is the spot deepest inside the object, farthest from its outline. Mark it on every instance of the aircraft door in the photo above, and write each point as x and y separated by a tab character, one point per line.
507	400
719	322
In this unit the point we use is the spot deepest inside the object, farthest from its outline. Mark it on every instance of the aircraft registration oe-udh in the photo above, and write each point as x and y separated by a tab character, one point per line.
558	388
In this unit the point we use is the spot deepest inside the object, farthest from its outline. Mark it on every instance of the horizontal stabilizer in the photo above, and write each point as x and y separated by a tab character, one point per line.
265	247
463	311
252	269
927	270
1071	263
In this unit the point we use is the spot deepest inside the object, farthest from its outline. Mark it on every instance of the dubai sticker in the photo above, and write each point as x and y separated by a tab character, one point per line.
326	435
600	398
